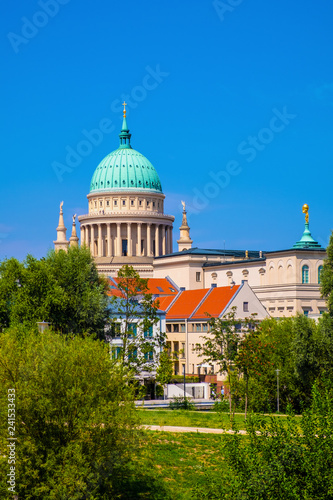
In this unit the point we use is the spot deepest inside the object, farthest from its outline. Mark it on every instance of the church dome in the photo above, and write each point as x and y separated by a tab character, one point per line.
125	169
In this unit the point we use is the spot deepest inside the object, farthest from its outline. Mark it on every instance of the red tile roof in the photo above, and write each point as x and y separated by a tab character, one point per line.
156	286
165	302
187	301
215	302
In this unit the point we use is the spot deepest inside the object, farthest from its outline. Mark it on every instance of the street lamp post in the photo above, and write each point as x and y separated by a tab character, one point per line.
277	391
184	383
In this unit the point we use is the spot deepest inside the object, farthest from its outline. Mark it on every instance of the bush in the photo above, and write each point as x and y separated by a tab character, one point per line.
76	424
181	403
290	460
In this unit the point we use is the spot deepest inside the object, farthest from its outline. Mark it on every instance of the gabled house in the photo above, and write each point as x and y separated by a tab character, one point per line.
187	321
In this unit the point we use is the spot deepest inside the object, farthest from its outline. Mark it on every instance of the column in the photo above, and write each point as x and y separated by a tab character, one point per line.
170	232
163	239
100	241
92	240
139	239
148	239
83	235
129	239
108	237
167	232
118	241
157	241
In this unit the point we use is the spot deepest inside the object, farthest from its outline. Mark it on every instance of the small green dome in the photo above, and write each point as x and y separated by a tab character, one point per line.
125	169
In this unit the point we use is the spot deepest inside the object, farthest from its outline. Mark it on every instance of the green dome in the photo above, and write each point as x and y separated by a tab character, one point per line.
125	169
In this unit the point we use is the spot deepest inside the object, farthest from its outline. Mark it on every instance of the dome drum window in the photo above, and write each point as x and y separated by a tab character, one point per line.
305	274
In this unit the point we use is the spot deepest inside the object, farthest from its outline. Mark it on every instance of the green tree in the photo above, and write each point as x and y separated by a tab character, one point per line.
75	417
134	315
326	277
220	347
252	358
289	460
64	289
164	370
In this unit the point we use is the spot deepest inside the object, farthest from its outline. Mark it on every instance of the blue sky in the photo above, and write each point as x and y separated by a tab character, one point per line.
231	101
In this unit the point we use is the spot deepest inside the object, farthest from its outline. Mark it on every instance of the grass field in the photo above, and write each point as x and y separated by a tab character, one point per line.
181	461
191	418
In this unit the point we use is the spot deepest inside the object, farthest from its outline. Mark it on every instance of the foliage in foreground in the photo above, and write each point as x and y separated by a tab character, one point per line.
278	461
76	424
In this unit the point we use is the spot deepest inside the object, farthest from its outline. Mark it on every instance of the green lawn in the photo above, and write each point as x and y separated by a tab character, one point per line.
190	418
181	461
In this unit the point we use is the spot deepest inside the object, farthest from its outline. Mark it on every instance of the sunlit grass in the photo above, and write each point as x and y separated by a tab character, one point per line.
186	418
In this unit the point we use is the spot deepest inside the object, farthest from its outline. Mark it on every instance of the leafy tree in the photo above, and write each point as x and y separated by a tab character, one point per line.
252	358
134	314
288	459
326	277
75	417
64	289
221	344
164	372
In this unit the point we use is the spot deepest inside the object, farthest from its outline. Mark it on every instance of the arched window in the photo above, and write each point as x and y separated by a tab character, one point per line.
305	274
320	268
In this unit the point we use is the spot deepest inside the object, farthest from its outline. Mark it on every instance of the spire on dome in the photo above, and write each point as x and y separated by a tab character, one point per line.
125	136
306	241
61	243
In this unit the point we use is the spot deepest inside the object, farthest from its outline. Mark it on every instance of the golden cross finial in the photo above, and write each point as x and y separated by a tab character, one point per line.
124	112
305	210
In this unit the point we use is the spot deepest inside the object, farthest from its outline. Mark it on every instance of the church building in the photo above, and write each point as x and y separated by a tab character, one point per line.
126	224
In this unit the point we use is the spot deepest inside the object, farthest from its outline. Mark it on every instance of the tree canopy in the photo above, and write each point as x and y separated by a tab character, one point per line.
63	289
75	416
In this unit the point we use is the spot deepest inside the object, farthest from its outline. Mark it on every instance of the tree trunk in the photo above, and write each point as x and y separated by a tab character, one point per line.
246	393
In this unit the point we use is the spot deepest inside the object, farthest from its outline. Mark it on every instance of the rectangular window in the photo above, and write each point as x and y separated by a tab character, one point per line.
306	312
198	276
132	203
182	328
100	203
124	248
115	203
168	328
115	329
205	327
149	332
133	353
183	350
140	203
149	356
245	306
116	352
132	329
153	203
198	327
107	203
176	328
124	202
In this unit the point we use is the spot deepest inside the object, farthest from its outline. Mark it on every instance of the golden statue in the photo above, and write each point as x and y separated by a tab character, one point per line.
305	210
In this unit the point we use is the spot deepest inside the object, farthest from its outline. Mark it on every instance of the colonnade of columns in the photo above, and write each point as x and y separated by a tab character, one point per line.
115	239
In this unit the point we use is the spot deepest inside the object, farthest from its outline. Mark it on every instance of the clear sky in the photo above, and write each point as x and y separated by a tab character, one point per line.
232	102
